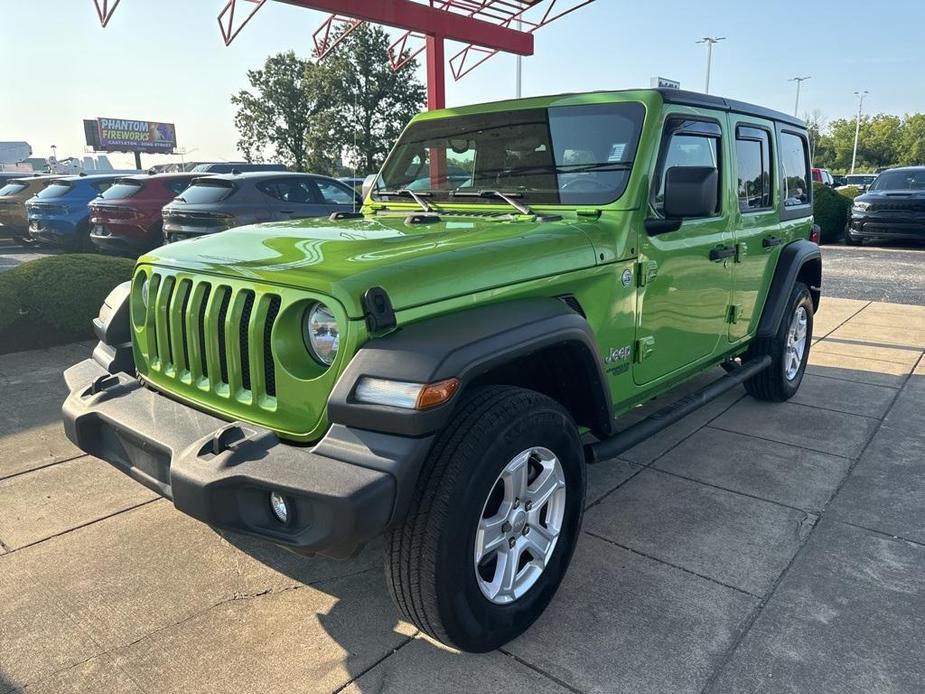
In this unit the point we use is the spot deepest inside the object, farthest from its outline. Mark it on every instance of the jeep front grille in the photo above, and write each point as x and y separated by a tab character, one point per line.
214	337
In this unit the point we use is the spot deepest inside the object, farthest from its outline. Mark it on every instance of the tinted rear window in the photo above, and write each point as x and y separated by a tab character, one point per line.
205	192
12	189
120	190
55	190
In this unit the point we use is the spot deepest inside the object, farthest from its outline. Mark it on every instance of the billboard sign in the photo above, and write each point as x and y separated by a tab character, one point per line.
665	83
121	135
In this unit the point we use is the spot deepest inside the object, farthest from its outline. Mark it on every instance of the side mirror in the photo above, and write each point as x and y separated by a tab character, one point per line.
368	184
691	191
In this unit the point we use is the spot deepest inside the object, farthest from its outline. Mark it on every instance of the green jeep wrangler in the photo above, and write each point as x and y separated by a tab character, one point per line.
440	367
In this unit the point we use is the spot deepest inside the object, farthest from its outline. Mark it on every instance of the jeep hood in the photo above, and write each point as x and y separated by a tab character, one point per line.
415	263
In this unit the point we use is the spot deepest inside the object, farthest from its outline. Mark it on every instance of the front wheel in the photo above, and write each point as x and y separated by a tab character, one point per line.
789	350
851	239
493	522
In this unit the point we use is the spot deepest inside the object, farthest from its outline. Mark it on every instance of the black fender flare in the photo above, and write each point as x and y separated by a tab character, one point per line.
798	259
113	329
466	345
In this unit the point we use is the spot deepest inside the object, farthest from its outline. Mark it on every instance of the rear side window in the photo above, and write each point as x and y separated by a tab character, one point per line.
177	186
335	193
297	191
753	161
122	190
55	190
12	189
205	192
794	156
101	186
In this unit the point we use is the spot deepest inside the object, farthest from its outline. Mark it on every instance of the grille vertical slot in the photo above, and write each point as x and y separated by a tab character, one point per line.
244	340
269	368
202	330
222	344
187	287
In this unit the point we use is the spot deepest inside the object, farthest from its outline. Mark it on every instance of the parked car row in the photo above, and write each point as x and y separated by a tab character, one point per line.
133	214
893	207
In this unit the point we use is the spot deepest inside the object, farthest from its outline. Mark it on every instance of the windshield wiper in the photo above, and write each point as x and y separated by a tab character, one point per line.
599	166
507	197
408	193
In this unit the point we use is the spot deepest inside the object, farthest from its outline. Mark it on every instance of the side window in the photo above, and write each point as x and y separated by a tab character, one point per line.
334	193
178	186
101	186
697	146
753	168
292	190
795	162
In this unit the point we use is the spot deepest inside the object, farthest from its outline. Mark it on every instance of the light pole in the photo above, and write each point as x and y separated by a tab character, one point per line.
799	81
710	40
857	127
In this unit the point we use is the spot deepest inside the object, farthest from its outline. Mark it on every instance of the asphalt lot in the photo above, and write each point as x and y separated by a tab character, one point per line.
749	547
892	273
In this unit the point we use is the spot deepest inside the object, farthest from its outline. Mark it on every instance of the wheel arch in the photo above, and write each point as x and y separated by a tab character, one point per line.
800	261
542	344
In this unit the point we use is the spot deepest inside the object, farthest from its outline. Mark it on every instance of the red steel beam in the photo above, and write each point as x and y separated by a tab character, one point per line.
405	14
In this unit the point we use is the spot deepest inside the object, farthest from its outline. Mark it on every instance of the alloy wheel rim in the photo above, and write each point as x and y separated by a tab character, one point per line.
519	526
796	343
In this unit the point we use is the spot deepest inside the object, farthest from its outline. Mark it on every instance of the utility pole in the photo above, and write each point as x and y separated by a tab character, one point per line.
857	127
710	40
799	81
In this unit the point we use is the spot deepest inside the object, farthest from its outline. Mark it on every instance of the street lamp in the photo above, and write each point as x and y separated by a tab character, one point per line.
799	81
710	40
857	127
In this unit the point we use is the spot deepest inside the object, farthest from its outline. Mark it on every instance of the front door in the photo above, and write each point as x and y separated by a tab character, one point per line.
758	231
685	275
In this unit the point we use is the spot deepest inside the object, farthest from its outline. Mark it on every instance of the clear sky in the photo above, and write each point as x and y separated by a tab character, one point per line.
165	60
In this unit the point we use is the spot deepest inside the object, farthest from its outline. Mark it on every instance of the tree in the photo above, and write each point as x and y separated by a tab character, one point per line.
373	103
289	110
912	147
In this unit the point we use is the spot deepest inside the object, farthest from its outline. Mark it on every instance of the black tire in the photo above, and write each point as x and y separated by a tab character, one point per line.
773	384
851	240
429	560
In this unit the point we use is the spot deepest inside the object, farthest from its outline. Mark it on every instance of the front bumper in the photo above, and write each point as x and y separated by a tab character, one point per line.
904	225
344	491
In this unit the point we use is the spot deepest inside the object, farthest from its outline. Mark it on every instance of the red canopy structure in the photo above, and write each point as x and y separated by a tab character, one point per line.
484	27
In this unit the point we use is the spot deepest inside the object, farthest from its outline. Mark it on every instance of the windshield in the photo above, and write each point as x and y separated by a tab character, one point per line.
566	154
55	190
861	179
203	192
913	179
120	190
12	189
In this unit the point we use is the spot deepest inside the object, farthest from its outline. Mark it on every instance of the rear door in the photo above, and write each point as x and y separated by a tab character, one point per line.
686	275
292	197
758	235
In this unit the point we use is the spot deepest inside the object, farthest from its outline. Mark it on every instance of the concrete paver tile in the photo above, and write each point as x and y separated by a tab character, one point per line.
98	674
848	617
423	666
42	503
845	396
886	335
606	476
833	312
886	489
625	623
800	425
875	353
879	373
734	539
148	568
766	469
313	639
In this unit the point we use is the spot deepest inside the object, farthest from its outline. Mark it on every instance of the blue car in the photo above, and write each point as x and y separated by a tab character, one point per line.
60	215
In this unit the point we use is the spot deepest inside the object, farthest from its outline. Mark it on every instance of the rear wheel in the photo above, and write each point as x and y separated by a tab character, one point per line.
493	521
789	350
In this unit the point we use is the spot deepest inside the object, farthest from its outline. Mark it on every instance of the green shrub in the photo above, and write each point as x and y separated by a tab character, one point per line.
830	210
64	292
850	192
9	300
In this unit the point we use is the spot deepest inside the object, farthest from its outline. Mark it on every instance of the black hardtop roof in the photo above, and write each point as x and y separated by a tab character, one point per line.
696	99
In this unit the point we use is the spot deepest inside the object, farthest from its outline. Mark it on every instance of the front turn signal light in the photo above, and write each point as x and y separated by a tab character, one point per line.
407	396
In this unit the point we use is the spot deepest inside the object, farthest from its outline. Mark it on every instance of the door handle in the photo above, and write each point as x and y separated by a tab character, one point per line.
770	241
722	252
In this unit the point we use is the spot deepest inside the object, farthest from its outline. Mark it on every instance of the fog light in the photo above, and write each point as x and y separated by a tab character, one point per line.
279	506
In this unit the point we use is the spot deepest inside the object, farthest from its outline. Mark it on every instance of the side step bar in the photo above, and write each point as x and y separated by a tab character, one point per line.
668	415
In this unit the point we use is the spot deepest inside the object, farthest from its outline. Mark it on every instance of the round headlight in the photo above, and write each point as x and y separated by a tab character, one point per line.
319	329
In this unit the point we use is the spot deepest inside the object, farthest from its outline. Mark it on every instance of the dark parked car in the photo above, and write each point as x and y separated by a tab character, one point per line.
13	196
235	166
59	215
892	208
216	203
127	217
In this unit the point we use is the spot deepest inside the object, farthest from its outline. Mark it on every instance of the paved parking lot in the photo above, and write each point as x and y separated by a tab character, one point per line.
750	547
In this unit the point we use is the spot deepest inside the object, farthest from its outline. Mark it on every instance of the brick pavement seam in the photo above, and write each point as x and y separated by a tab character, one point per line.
891	536
540	671
4	478
720	668
388	655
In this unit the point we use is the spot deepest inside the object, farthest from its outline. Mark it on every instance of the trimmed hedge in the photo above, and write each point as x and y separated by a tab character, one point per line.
55	299
830	209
